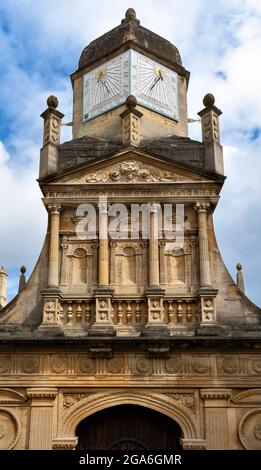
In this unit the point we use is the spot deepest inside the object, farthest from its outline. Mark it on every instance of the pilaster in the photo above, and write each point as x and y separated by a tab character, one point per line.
41	423
216	404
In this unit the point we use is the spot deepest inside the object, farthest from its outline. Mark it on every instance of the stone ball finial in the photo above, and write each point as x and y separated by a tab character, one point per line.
239	266
52	101
208	100
131	101
23	269
130	14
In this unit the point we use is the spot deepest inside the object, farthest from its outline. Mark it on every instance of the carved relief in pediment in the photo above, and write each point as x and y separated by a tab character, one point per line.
133	172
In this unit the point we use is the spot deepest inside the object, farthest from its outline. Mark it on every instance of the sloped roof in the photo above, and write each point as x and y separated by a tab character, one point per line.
89	149
129	30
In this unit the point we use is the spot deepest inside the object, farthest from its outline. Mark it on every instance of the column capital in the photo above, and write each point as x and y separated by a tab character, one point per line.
216	394
103	207
42	393
154	207
54	209
64	243
202	207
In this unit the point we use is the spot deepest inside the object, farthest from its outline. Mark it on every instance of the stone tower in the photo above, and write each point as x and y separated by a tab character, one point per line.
130	309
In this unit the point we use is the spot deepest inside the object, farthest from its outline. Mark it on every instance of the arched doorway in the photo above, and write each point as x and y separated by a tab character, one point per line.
128	427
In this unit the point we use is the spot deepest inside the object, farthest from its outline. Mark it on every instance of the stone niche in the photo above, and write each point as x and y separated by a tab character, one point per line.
78	265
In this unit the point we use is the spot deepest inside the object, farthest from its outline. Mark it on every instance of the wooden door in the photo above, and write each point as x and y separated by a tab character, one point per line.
128	427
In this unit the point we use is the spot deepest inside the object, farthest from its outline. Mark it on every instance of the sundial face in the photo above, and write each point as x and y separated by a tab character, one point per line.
131	73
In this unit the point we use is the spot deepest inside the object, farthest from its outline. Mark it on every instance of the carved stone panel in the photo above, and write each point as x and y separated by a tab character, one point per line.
250	430
133	172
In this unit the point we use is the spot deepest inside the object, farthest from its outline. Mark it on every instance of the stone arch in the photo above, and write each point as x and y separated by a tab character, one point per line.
156	402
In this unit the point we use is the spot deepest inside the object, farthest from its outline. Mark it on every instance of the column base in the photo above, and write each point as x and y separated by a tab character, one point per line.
154	290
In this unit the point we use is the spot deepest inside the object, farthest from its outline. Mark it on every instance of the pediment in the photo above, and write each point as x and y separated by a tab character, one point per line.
9	396
131	168
252	396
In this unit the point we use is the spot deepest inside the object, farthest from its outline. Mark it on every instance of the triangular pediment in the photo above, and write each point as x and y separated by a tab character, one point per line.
131	167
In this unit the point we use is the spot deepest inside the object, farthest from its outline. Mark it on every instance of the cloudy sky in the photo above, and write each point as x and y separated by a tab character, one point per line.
220	43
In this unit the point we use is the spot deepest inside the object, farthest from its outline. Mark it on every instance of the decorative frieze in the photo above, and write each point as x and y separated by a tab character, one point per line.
102	361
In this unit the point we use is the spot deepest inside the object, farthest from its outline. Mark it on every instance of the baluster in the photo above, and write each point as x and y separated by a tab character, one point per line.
129	312
61	313
189	311
179	312
69	313
198	314
170	312
119	313
87	312
79	312
137	312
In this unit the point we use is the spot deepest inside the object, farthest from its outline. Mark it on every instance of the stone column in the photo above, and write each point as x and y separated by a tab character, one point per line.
155	293
162	262
216	403
205	278
41	422
64	246
103	245
103	294
3	286
53	268
154	246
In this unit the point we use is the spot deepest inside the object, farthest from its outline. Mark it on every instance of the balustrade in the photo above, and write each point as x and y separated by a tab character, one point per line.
132	312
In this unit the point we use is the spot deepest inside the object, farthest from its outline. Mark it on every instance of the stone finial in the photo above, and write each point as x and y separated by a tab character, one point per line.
210	119
52	101
130	15
3	287
240	278
211	135
52	122
131	122
51	137
22	279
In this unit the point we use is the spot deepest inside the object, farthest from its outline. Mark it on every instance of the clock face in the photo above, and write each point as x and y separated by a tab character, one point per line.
130	73
103	88
157	87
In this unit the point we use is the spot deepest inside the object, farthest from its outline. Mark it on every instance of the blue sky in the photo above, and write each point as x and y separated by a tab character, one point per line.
40	44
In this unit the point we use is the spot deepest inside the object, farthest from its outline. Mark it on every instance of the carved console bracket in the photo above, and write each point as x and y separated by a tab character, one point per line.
100	353
161	353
